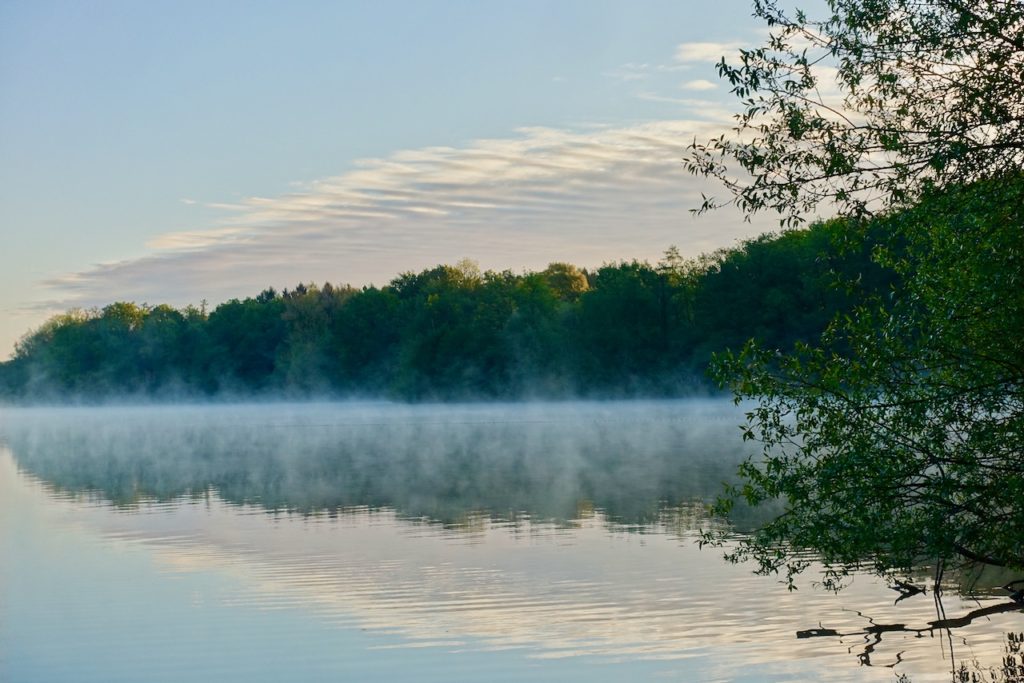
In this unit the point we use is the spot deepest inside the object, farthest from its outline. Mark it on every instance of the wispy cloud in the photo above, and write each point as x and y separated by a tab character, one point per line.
709	109
705	51
700	84
542	195
657	80
630	71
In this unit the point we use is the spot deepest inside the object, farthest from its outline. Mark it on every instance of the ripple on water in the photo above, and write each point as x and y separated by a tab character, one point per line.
616	581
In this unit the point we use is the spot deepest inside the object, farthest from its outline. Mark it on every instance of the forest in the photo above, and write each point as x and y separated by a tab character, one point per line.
452	332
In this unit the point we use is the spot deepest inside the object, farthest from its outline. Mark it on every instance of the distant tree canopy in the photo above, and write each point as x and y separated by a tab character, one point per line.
453	332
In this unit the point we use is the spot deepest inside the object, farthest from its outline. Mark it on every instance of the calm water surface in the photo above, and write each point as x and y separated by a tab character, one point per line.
374	542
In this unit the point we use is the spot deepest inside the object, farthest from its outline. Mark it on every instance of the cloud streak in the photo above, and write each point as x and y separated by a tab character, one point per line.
705	51
544	194
699	84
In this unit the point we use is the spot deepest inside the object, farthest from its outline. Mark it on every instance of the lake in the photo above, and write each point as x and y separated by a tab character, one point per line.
383	542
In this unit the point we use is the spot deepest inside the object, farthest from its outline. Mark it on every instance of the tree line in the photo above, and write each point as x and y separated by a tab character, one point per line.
453	332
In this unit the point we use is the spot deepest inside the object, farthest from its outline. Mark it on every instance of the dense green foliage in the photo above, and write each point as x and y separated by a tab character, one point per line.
897	437
452	332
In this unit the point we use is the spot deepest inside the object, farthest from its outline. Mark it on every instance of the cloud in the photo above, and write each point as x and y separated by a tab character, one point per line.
198	239
630	71
705	51
699	84
708	108
586	196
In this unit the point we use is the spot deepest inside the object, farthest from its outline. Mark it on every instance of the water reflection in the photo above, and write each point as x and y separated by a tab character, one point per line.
542	542
549	462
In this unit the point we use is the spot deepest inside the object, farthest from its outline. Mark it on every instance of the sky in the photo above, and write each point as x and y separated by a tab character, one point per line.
181	152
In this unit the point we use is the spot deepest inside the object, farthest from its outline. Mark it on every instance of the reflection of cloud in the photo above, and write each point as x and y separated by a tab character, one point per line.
584	196
553	592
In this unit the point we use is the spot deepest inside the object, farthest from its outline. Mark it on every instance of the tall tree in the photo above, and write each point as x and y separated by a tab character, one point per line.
897	438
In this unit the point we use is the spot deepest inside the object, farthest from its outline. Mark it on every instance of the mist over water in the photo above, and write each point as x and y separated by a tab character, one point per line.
437	462
378	541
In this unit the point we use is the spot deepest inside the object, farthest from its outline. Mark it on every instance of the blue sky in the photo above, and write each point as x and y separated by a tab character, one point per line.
180	151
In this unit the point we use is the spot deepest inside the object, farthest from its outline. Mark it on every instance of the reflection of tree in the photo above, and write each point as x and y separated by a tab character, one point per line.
437	468
1011	667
